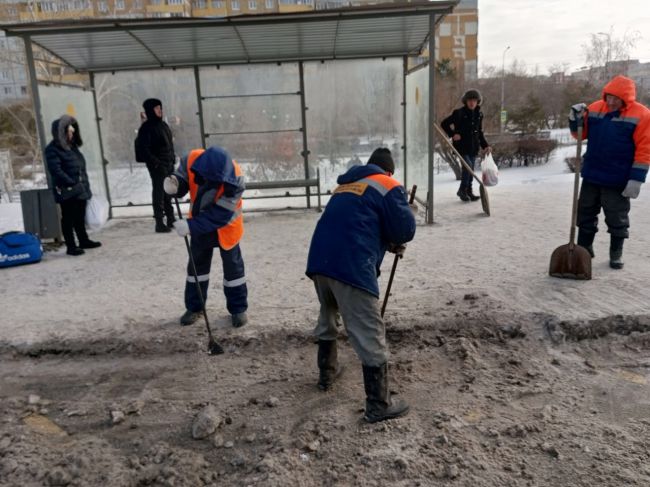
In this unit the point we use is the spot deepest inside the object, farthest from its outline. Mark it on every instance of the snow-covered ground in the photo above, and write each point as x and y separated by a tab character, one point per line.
137	276
502	391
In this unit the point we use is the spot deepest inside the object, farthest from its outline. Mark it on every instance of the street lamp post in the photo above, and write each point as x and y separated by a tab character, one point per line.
503	77
609	48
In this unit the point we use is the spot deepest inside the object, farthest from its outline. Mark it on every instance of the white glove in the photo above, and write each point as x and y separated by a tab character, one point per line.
577	111
170	185
182	228
414	208
632	189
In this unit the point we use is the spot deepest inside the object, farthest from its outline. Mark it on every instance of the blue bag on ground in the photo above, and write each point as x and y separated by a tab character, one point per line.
17	248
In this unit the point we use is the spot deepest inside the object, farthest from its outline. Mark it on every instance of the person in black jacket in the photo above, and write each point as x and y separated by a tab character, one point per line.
67	168
157	147
465	127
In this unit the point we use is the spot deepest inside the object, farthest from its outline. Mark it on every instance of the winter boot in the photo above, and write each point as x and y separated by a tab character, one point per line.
89	244
239	319
75	251
471	195
379	404
170	221
328	365
586	240
190	317
462	194
161	227
616	252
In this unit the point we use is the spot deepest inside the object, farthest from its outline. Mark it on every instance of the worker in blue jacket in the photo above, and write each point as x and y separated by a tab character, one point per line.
367	215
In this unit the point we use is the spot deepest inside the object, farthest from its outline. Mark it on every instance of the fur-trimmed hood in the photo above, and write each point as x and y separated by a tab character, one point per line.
59	129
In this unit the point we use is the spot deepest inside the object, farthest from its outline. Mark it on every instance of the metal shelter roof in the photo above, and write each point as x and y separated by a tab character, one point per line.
385	30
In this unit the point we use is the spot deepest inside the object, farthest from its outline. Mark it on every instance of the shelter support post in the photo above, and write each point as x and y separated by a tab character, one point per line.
101	146
199	103
432	113
404	138
36	100
303	114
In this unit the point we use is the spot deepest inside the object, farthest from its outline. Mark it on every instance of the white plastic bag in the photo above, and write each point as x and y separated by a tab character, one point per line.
489	171
96	212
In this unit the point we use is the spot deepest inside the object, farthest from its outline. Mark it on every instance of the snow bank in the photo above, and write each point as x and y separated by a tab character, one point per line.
134	283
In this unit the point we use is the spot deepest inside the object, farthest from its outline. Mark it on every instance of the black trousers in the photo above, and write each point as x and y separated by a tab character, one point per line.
161	201
615	206
73	220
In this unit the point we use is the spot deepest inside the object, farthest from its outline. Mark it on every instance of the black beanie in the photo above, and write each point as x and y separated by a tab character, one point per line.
382	158
148	105
151	103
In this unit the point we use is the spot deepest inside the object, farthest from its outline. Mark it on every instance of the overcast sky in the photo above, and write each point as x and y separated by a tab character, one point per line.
549	32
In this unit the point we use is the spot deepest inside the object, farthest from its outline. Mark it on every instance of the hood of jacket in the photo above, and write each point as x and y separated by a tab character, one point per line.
59	130
148	105
623	87
215	166
359	172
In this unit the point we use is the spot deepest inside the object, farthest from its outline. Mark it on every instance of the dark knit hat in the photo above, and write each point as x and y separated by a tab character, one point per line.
472	95
383	158
149	104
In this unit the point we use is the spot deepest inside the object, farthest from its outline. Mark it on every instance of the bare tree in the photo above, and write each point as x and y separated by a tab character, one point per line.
604	48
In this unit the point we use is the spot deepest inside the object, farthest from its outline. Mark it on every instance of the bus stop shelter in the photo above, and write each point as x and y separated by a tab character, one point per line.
268	47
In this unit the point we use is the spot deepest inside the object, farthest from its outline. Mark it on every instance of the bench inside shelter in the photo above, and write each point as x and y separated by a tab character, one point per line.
307	184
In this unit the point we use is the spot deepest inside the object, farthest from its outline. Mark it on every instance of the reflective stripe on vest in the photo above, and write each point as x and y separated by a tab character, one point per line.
230	234
382	183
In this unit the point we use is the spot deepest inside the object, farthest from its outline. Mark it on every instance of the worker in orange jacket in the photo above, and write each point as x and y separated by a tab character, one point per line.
216	184
615	164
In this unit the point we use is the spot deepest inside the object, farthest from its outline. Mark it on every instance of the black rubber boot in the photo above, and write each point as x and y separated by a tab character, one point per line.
586	240
462	194
379	404
471	195
190	317
328	364
616	252
161	227
170	222
239	319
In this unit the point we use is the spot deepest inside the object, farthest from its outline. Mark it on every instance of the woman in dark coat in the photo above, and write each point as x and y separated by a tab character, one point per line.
67	167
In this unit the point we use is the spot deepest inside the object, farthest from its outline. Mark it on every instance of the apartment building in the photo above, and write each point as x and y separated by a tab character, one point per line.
38	10
632	68
457	39
13	76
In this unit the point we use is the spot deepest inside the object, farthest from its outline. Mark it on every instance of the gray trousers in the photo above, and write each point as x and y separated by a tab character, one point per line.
616	207
360	312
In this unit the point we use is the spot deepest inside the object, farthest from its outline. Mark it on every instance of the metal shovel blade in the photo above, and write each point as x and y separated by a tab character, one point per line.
570	261
485	201
214	348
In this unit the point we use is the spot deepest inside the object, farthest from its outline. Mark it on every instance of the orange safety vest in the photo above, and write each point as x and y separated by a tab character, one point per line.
230	234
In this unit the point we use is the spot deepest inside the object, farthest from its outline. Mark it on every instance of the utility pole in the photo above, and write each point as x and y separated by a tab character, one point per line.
608	52
502	115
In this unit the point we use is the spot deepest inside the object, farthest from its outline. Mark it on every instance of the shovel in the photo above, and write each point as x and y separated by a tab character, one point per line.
213	347
397	258
572	261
